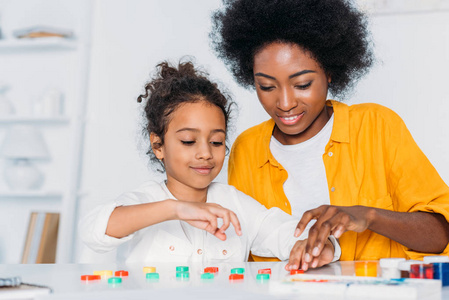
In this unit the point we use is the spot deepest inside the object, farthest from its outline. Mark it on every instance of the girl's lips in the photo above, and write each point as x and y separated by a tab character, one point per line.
202	170
290	120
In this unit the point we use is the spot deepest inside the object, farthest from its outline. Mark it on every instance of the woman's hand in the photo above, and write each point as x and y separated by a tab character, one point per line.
204	216
330	220
296	259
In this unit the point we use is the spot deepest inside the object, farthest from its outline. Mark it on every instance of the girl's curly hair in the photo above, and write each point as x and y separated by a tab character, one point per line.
172	86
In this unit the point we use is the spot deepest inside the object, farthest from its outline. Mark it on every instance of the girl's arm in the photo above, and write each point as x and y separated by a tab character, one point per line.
126	220
419	231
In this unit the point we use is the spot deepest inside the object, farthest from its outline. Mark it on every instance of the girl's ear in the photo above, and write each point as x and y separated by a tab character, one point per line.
156	145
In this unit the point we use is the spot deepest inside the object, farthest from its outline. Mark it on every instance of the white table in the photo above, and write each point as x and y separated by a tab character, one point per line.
65	281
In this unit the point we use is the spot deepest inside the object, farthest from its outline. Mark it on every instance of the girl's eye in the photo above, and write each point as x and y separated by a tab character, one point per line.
304	86
266	88
217	143
188	143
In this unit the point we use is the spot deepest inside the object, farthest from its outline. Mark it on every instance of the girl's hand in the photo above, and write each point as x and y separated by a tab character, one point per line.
296	259
204	216
331	220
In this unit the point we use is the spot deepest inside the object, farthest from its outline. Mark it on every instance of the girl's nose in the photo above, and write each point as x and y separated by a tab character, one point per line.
204	151
286	100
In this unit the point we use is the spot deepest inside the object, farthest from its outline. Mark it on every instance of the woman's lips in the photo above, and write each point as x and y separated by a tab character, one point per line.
290	120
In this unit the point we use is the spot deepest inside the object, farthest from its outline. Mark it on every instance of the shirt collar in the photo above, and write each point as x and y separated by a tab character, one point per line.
265	153
340	131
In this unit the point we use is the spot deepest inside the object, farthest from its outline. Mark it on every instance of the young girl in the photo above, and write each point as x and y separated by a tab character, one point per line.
180	219
355	169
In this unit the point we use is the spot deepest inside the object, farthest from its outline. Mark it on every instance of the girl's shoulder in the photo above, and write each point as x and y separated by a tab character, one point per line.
227	195
218	189
149	191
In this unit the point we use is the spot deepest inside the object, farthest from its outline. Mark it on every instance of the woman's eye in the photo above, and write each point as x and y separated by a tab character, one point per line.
266	88
217	143
188	143
303	86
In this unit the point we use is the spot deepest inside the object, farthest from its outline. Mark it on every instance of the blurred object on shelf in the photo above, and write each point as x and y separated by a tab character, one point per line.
42	32
41	239
50	104
22	144
6	107
1	36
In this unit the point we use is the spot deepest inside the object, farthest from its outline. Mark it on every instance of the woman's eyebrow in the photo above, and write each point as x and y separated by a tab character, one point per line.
265	75
301	73
291	76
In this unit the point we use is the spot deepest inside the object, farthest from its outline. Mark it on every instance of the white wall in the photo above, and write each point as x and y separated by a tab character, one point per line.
129	39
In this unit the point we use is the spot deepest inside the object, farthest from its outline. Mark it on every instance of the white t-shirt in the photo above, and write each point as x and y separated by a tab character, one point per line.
264	232
306	186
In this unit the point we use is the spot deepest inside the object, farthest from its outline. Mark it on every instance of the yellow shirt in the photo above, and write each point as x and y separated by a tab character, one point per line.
371	159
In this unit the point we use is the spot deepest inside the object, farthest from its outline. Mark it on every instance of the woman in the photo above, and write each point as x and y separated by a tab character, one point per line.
355	169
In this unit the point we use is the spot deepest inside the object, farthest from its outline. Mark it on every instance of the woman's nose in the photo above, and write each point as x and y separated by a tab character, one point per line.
286	100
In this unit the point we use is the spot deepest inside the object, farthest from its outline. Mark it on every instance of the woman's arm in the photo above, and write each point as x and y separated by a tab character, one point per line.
419	231
126	220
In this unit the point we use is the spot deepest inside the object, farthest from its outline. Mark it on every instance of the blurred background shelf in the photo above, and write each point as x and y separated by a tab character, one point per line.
31	194
43	84
50	43
6	120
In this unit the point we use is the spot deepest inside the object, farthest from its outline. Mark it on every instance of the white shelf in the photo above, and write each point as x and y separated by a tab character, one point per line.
7	120
31	194
50	43
40	63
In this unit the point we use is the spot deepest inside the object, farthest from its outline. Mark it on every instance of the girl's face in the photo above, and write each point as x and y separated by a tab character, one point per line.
194	148
292	88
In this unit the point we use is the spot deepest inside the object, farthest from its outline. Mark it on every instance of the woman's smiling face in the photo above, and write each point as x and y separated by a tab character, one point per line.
292	88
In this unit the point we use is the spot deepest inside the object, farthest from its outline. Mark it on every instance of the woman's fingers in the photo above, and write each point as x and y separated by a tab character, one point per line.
296	257
314	234
325	227
331	218
305	219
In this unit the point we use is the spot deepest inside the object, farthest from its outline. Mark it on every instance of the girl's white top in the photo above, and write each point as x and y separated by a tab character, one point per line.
265	232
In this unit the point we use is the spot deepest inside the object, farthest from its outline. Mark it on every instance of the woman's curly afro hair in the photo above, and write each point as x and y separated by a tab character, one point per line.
333	31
